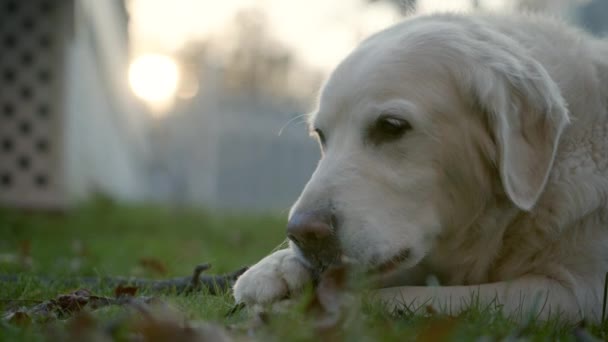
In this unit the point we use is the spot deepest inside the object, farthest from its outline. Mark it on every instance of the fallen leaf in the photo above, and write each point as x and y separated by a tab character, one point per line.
72	302
18	318
162	322
25	254
438	329
129	291
330	299
84	327
25	248
62	306
430	310
154	265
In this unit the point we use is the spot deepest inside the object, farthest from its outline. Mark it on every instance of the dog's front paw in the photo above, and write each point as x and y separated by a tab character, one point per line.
273	278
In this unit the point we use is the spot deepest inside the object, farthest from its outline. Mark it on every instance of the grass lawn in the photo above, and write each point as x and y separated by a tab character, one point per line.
104	239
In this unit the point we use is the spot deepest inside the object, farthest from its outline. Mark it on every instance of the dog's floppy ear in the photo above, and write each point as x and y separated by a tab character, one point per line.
526	114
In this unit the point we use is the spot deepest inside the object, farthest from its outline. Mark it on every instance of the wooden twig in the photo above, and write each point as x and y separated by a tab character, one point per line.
213	284
195	280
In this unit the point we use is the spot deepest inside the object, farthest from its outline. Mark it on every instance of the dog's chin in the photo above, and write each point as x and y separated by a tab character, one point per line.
391	264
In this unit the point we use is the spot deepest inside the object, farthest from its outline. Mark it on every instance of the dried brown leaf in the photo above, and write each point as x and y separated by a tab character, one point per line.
71	302
162	322
63	306
25	248
124	290
430	310
84	327
438	329
18	318
330	298
25	254
153	265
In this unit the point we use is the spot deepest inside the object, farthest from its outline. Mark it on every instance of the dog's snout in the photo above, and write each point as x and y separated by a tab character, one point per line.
313	233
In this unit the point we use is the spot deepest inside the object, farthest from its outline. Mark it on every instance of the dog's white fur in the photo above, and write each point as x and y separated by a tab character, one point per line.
501	187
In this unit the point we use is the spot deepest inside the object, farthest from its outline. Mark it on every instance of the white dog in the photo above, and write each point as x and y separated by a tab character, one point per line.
469	147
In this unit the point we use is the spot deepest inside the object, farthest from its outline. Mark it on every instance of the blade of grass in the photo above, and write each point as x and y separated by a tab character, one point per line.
605	298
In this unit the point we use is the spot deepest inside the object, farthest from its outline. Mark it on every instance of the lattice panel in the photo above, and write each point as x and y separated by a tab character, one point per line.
32	34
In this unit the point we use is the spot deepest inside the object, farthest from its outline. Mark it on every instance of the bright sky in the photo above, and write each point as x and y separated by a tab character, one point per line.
427	6
319	32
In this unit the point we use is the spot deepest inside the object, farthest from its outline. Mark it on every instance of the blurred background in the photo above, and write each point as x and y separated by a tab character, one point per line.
194	103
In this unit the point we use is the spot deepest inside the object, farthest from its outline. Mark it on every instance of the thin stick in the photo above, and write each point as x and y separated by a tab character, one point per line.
195	281
214	284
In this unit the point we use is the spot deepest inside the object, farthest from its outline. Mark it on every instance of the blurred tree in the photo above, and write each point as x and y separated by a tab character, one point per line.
593	16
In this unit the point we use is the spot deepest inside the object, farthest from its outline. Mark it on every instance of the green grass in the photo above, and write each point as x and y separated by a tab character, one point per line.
104	239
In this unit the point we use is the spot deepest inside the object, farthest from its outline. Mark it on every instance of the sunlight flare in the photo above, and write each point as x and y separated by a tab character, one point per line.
154	78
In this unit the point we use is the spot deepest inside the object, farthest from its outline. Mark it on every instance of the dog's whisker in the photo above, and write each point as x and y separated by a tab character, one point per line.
290	121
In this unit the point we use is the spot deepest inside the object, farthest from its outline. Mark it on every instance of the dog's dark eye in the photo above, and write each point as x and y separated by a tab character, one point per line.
321	136
388	128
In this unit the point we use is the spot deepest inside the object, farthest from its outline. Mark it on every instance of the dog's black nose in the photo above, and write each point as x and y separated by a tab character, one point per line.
309	228
314	234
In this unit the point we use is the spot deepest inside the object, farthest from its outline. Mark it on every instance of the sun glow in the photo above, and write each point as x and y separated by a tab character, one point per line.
154	78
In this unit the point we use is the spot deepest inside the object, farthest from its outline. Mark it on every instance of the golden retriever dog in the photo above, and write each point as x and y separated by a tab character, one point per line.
469	148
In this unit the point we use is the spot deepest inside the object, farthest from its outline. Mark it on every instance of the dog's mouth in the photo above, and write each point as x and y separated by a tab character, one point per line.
392	263
319	265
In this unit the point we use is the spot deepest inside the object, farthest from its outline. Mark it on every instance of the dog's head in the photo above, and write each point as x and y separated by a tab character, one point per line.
420	127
